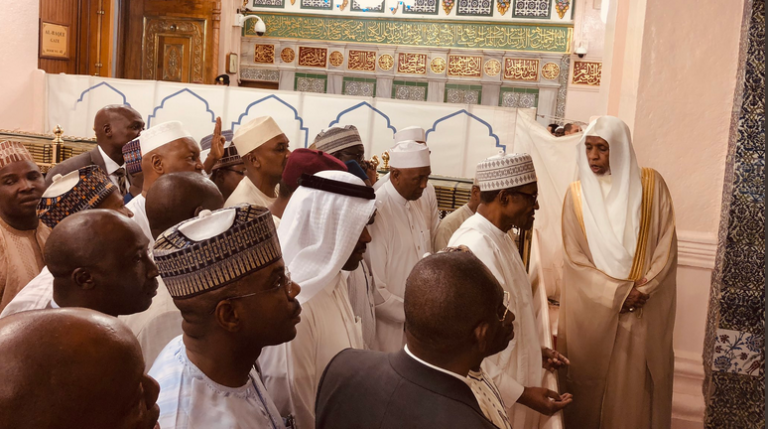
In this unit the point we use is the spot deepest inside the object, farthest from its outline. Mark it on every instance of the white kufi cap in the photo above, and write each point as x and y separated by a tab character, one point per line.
255	133
410	133
160	135
409	154
504	171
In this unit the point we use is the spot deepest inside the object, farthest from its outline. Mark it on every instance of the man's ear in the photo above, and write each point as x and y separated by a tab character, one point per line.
253	159
107	129
156	162
198	209
481	336
83	278
227	317
504	197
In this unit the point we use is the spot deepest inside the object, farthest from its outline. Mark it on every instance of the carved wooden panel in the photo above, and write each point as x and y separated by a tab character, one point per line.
174	49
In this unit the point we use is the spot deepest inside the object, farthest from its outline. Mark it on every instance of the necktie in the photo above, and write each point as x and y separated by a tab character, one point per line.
121	182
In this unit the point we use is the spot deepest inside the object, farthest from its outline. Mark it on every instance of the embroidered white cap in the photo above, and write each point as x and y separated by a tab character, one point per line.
409	154
162	134
411	133
255	133
504	171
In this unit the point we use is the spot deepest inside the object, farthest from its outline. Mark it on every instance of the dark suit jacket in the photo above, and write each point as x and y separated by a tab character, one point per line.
365	389
92	157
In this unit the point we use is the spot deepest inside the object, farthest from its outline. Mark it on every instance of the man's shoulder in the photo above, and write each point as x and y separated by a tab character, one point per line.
71	164
36	295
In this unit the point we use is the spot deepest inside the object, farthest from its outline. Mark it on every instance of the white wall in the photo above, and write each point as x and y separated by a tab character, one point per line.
583	102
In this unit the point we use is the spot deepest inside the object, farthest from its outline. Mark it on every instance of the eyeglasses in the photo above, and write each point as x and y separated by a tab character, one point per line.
505	302
240	172
534	196
285	283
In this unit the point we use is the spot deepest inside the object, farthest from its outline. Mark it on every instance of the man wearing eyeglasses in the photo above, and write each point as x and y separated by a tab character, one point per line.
508	197
324	236
225	272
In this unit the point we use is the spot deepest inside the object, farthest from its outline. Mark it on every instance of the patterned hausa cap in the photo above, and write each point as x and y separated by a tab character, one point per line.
338	138
132	157
504	171
11	151
79	190
230	158
215	249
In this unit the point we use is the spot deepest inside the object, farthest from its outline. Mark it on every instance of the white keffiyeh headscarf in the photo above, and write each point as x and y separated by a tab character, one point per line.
319	231
612	222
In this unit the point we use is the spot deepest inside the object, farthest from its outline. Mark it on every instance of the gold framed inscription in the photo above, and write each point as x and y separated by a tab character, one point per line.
54	41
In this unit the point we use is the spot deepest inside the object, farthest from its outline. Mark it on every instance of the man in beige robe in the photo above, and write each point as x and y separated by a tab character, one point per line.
617	309
22	235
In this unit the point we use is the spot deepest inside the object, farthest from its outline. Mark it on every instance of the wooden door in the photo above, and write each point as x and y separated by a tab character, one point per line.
173	41
64	13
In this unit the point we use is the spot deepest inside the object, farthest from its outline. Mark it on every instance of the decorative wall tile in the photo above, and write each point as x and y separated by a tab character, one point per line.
531	8
561	6
317	4
586	73
550	71
386	62
312	57
475	8
519	97
287	55
336	58
737	352
310	83
269	3
359	87
408	63
521	69
465	65
562	92
463	94
448	6
357	7
437	65
502	6
492	68
264	54
404	90
253	73
361	60
424	7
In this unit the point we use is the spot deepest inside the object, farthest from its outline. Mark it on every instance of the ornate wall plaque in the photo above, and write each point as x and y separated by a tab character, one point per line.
336	58
492	67
550	71
437	65
415	32
361	61
408	63
561	6
312	57
448	6
465	65
54	41
586	73
287	55
521	69
386	62
264	54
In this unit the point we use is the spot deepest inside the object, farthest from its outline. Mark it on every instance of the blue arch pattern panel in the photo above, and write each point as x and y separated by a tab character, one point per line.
82	94
296	115
178	94
476	118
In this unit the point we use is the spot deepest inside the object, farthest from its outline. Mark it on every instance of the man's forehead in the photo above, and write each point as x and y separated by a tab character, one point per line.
596	140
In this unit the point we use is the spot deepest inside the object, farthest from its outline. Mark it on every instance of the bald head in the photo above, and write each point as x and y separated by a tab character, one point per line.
446	296
99	260
115	125
69	368
180	196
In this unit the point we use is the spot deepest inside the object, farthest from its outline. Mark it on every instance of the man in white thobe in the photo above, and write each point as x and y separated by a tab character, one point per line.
508	198
428	202
323	234
165	148
264	149
401	237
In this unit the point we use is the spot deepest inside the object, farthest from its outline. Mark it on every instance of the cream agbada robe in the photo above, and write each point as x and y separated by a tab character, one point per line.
519	365
247	192
621	364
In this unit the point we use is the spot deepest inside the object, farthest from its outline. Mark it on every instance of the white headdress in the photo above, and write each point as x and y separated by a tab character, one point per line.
255	133
409	154
162	134
611	223
411	133
504	171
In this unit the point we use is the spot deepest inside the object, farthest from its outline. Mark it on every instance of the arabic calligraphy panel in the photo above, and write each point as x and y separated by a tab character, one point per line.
264	54
521	69
550	71
408	63
386	62
336	58
492	67
287	55
586	73
312	57
465	65
437	65
361	60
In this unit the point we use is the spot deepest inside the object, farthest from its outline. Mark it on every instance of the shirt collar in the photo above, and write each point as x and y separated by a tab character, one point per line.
436	368
109	164
53	304
395	195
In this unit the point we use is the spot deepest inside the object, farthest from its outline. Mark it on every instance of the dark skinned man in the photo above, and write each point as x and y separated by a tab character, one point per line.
165	148
174	198
509	198
344	143
450	330
115	125
264	149
225	272
83	189
324	236
22	235
73	368
401	237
